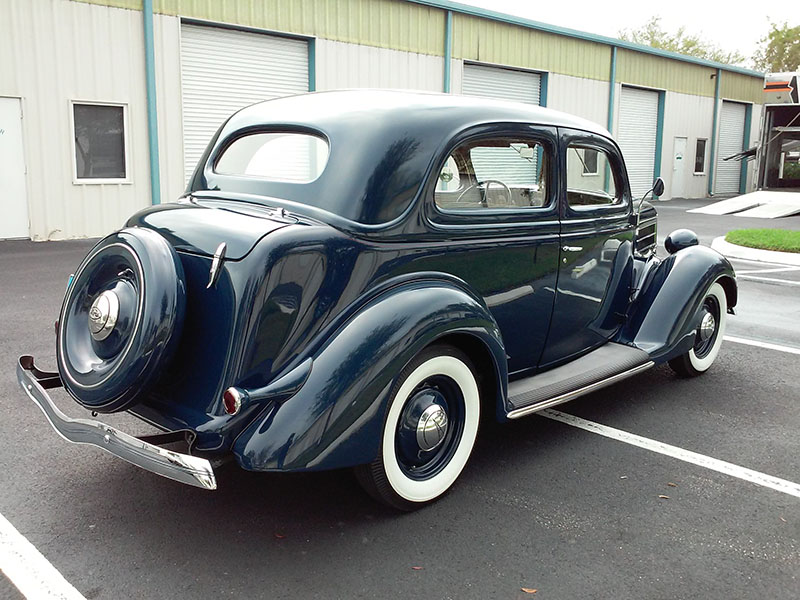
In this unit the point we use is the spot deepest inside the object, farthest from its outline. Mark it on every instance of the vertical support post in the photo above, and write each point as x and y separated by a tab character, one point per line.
612	86
748	121
544	79
448	49
312	65
662	95
152	115
712	159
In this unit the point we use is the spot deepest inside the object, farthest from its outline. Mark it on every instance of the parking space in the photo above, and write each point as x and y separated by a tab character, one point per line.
542	505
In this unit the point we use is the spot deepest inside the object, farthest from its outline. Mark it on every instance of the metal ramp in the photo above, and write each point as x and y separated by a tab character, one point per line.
761	204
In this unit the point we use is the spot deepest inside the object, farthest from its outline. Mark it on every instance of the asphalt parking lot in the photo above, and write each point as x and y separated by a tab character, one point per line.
543	505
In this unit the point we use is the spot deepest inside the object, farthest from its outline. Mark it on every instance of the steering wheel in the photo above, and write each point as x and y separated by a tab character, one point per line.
486	183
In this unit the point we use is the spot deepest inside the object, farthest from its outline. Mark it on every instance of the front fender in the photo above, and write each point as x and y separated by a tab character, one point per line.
663	317
336	418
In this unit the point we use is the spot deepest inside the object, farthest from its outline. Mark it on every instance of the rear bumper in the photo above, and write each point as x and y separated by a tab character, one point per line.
184	468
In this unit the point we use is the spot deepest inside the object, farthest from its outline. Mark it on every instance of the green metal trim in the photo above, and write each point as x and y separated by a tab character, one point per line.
448	50
544	78
581	35
748	121
312	65
612	87
152	113
659	134
713	155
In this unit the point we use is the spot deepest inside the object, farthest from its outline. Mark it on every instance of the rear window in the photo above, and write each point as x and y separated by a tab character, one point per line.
278	156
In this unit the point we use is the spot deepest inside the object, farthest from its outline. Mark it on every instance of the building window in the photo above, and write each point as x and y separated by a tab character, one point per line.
589	161
99	135
700	158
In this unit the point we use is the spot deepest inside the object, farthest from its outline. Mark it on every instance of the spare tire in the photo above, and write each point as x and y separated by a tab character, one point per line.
121	319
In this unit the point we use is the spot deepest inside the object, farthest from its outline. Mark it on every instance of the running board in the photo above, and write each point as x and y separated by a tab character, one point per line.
602	367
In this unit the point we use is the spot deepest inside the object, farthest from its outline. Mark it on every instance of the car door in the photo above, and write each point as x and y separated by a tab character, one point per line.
596	250
494	211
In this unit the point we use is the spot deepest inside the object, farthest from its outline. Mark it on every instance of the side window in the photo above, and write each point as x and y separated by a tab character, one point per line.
590	178
503	172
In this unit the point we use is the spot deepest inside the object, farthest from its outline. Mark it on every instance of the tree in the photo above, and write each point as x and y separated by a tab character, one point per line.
779	50
652	34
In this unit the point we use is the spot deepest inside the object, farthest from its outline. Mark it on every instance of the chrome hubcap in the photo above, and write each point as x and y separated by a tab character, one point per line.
707	326
432	427
103	315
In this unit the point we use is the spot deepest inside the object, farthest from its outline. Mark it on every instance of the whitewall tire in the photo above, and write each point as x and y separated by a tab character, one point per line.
429	432
708	337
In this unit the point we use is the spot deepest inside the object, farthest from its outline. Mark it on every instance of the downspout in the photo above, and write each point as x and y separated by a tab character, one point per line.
612	86
713	156
448	49
152	117
659	135
312	65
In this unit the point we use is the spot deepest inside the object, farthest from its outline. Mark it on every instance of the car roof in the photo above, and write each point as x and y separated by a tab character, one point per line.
397	105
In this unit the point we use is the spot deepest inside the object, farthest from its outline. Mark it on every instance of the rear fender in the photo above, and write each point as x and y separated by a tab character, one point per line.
666	311
335	419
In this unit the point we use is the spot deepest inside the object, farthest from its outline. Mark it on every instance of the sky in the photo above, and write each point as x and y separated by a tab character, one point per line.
732	25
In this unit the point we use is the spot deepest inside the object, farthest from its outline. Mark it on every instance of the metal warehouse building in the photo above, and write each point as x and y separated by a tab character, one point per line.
106	105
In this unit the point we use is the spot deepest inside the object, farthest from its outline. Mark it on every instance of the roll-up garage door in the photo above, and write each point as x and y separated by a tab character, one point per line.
731	141
503	84
638	128
223	70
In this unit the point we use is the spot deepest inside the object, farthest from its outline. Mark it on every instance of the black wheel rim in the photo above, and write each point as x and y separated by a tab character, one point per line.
415	462
704	343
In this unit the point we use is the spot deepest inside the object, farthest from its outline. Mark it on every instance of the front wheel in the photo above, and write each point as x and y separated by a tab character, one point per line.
430	429
708	336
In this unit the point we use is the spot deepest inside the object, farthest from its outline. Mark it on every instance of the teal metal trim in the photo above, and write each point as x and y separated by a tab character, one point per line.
662	95
748	121
581	35
713	156
544	78
312	65
152	113
612	87
659	133
448	50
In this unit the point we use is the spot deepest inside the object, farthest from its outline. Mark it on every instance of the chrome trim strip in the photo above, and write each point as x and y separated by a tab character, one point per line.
527	410
184	468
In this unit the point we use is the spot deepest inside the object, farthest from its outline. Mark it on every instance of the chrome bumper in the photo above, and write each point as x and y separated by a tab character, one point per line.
180	467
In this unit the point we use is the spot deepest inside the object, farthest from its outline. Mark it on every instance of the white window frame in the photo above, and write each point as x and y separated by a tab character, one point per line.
125	139
596	166
705	156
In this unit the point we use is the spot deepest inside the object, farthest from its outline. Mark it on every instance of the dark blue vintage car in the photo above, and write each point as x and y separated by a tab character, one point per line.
355	279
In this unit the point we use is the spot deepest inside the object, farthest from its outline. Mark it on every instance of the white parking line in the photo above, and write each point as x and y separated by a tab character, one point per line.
767	345
27	569
770	270
780	485
770	279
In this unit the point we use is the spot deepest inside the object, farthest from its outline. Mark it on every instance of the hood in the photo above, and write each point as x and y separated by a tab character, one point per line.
200	227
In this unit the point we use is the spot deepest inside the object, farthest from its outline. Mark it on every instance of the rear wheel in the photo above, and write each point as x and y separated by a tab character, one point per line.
708	336
429	432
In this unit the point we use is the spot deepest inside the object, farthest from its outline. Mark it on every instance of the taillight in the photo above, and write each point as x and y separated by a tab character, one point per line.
232	400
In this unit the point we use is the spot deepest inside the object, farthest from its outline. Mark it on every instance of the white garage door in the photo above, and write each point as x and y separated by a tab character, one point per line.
731	141
224	70
503	84
638	126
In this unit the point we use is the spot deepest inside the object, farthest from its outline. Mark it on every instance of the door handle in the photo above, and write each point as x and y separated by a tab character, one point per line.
572	248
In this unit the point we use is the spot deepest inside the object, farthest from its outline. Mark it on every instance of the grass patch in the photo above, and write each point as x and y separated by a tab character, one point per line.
766	239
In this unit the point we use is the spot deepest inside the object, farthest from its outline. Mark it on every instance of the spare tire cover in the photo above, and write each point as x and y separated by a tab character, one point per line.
121	319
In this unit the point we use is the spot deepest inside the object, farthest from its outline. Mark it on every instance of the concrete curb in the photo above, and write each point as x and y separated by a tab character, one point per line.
768	256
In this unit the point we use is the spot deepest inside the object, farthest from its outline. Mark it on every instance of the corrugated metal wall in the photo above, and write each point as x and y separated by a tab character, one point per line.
46	64
504	44
686	116
342	65
581	97
736	86
392	24
651	71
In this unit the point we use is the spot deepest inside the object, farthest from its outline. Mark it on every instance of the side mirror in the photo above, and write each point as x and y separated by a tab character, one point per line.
658	187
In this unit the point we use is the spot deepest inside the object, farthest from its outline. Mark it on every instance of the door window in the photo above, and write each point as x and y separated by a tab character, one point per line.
503	172
590	178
